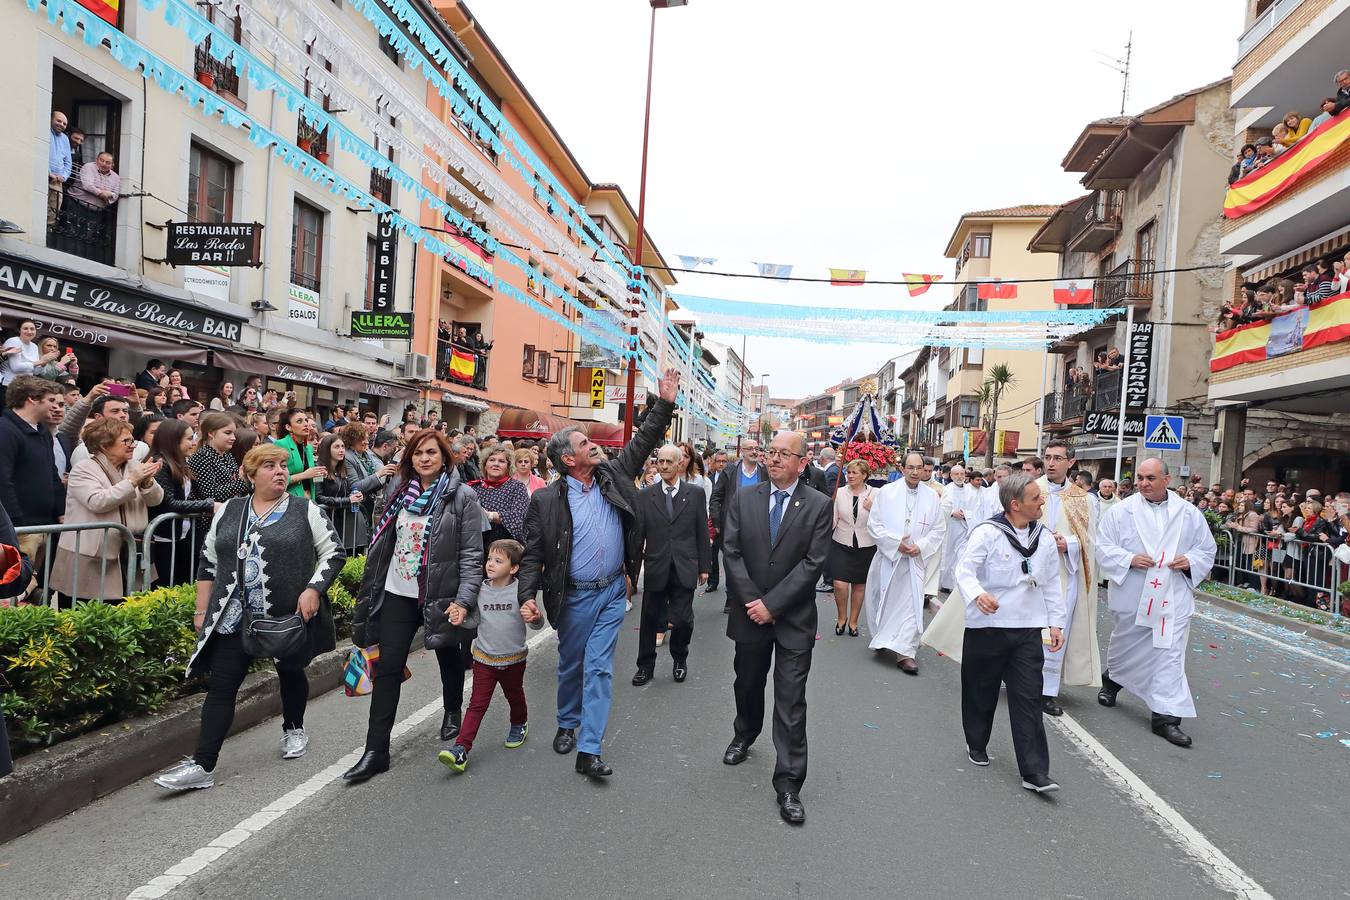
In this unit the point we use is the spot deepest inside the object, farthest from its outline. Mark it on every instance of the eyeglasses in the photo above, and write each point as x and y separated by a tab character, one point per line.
1056	458
775	453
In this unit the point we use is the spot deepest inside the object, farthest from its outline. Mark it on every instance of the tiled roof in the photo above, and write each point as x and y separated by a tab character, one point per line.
1027	210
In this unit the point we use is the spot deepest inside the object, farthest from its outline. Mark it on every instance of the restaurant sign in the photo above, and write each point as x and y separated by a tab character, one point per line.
214	244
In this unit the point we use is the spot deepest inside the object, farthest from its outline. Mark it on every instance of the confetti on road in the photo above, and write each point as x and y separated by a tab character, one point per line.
871	725
1214	775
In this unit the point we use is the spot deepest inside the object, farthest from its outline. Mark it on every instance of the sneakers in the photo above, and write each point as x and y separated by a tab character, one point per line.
978	757
1040	784
456	759
516	736
294	743
186	776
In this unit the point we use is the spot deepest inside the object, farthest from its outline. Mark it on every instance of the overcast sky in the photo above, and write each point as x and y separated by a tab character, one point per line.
850	133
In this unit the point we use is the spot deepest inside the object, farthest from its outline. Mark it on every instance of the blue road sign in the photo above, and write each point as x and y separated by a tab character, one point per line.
1163	432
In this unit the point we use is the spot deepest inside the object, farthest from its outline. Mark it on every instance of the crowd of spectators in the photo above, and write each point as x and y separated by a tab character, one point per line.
1317	281
1289	131
451	338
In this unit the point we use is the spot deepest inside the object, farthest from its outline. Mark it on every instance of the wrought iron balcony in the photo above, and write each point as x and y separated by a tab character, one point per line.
381	185
220	77
1097	223
1130	283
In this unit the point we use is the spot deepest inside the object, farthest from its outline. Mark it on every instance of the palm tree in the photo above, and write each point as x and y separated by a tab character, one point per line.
998	380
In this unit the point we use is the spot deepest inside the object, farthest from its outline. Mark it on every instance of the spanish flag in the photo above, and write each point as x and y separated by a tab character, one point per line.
847	277
461	365
919	284
1328	322
107	10
1258	188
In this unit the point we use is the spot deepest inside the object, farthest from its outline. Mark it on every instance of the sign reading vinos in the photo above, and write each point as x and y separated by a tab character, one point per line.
370	324
214	243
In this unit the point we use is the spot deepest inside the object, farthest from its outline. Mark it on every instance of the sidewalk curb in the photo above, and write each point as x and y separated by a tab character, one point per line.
49	784
1316	632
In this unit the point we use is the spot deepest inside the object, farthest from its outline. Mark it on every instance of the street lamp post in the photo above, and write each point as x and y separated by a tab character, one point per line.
635	285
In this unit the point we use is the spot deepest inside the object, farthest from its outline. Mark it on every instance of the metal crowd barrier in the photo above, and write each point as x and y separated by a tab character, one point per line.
1296	570
45	592
172	542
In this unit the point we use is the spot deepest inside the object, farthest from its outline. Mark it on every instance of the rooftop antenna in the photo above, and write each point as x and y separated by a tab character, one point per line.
1121	65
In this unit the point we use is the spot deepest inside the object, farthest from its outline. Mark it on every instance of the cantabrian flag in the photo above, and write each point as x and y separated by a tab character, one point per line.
919	284
1069	292
847	277
461	365
1258	188
996	290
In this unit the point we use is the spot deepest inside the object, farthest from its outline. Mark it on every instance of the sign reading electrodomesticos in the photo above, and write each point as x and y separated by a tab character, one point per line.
214	244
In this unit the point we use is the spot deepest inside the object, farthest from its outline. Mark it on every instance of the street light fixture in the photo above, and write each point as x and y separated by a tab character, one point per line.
635	285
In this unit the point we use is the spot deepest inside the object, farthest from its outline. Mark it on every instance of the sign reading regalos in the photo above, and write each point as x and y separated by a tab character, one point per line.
214	243
370	324
303	305
30	279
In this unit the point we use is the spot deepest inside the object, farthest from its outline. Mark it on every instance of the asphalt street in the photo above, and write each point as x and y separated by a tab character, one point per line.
892	803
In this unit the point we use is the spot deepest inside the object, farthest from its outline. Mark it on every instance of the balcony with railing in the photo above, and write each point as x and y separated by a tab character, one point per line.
1106	390
1096	223
81	230
1063	409
381	185
1289	54
1128	284
214	74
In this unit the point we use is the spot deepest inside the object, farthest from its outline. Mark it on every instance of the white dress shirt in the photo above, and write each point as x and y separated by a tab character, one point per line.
990	565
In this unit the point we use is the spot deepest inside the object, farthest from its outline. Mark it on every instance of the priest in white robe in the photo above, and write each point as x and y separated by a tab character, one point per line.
1154	548
907	524
990	505
1009	575
961	505
932	565
1069	513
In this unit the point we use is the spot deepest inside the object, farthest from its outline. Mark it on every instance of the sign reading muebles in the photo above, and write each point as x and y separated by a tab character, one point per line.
214	243
42	282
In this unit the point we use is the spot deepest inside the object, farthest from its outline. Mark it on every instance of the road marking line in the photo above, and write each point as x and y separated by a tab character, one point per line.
216	849
1290	647
1222	870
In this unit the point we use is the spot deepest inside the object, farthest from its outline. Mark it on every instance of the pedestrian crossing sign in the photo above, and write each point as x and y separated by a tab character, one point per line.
1163	432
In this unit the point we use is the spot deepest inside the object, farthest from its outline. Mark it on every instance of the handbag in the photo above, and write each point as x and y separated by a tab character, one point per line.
357	675
268	637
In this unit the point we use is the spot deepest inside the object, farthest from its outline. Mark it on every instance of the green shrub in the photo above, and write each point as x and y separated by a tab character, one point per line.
66	672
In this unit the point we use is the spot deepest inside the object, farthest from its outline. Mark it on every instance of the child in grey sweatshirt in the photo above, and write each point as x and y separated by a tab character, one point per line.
499	651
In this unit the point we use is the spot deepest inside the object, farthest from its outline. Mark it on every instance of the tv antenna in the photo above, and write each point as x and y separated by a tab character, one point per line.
1121	65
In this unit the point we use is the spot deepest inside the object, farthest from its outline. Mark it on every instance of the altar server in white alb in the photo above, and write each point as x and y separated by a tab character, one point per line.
990	504
961	510
932	565
1009	577
907	524
1153	548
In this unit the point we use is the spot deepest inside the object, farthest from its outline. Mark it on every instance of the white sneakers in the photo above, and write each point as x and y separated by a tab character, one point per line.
186	776
294	742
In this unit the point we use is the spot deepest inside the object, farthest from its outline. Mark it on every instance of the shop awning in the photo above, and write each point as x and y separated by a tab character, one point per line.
286	370
526	423
71	331
472	405
606	434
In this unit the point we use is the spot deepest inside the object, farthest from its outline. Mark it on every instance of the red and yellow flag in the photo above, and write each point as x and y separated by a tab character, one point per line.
1328	322
918	284
847	277
1258	188
107	10
461	365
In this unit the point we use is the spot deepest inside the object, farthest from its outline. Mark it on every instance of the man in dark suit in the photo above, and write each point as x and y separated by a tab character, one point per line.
747	472
777	538
715	462
676	555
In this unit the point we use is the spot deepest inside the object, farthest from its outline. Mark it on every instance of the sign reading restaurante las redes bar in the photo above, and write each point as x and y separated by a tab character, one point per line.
29	279
214	243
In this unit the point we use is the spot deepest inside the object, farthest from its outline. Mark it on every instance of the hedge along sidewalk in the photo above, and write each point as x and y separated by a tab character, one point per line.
1318	625
57	781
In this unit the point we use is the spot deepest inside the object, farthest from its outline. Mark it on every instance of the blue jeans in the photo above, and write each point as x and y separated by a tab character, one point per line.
587	636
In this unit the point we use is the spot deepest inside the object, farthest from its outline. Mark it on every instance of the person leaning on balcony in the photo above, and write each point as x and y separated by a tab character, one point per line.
1328	107
99	186
1295	127
1246	158
107	487
58	165
1342	92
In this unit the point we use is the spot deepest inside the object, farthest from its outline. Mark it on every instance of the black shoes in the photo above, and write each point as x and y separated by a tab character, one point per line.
908	665
839	630
853	632
1050	706
592	766
680	672
367	767
791	809
978	757
726	607
1172	733
737	750
565	741
641	677
450	725
1107	695
1040	784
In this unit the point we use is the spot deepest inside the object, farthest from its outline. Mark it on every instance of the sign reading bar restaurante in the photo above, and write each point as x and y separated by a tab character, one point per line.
214	243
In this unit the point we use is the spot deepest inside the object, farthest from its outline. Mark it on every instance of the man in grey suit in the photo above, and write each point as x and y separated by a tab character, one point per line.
777	538
676	557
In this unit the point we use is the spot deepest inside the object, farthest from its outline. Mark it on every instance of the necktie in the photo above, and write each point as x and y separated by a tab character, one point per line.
776	515
670	501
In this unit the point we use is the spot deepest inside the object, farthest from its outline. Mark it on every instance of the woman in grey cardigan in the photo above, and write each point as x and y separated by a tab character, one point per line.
426	553
278	554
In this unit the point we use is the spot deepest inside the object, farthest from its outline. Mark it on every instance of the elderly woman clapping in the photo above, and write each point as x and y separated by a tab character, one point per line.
106	487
